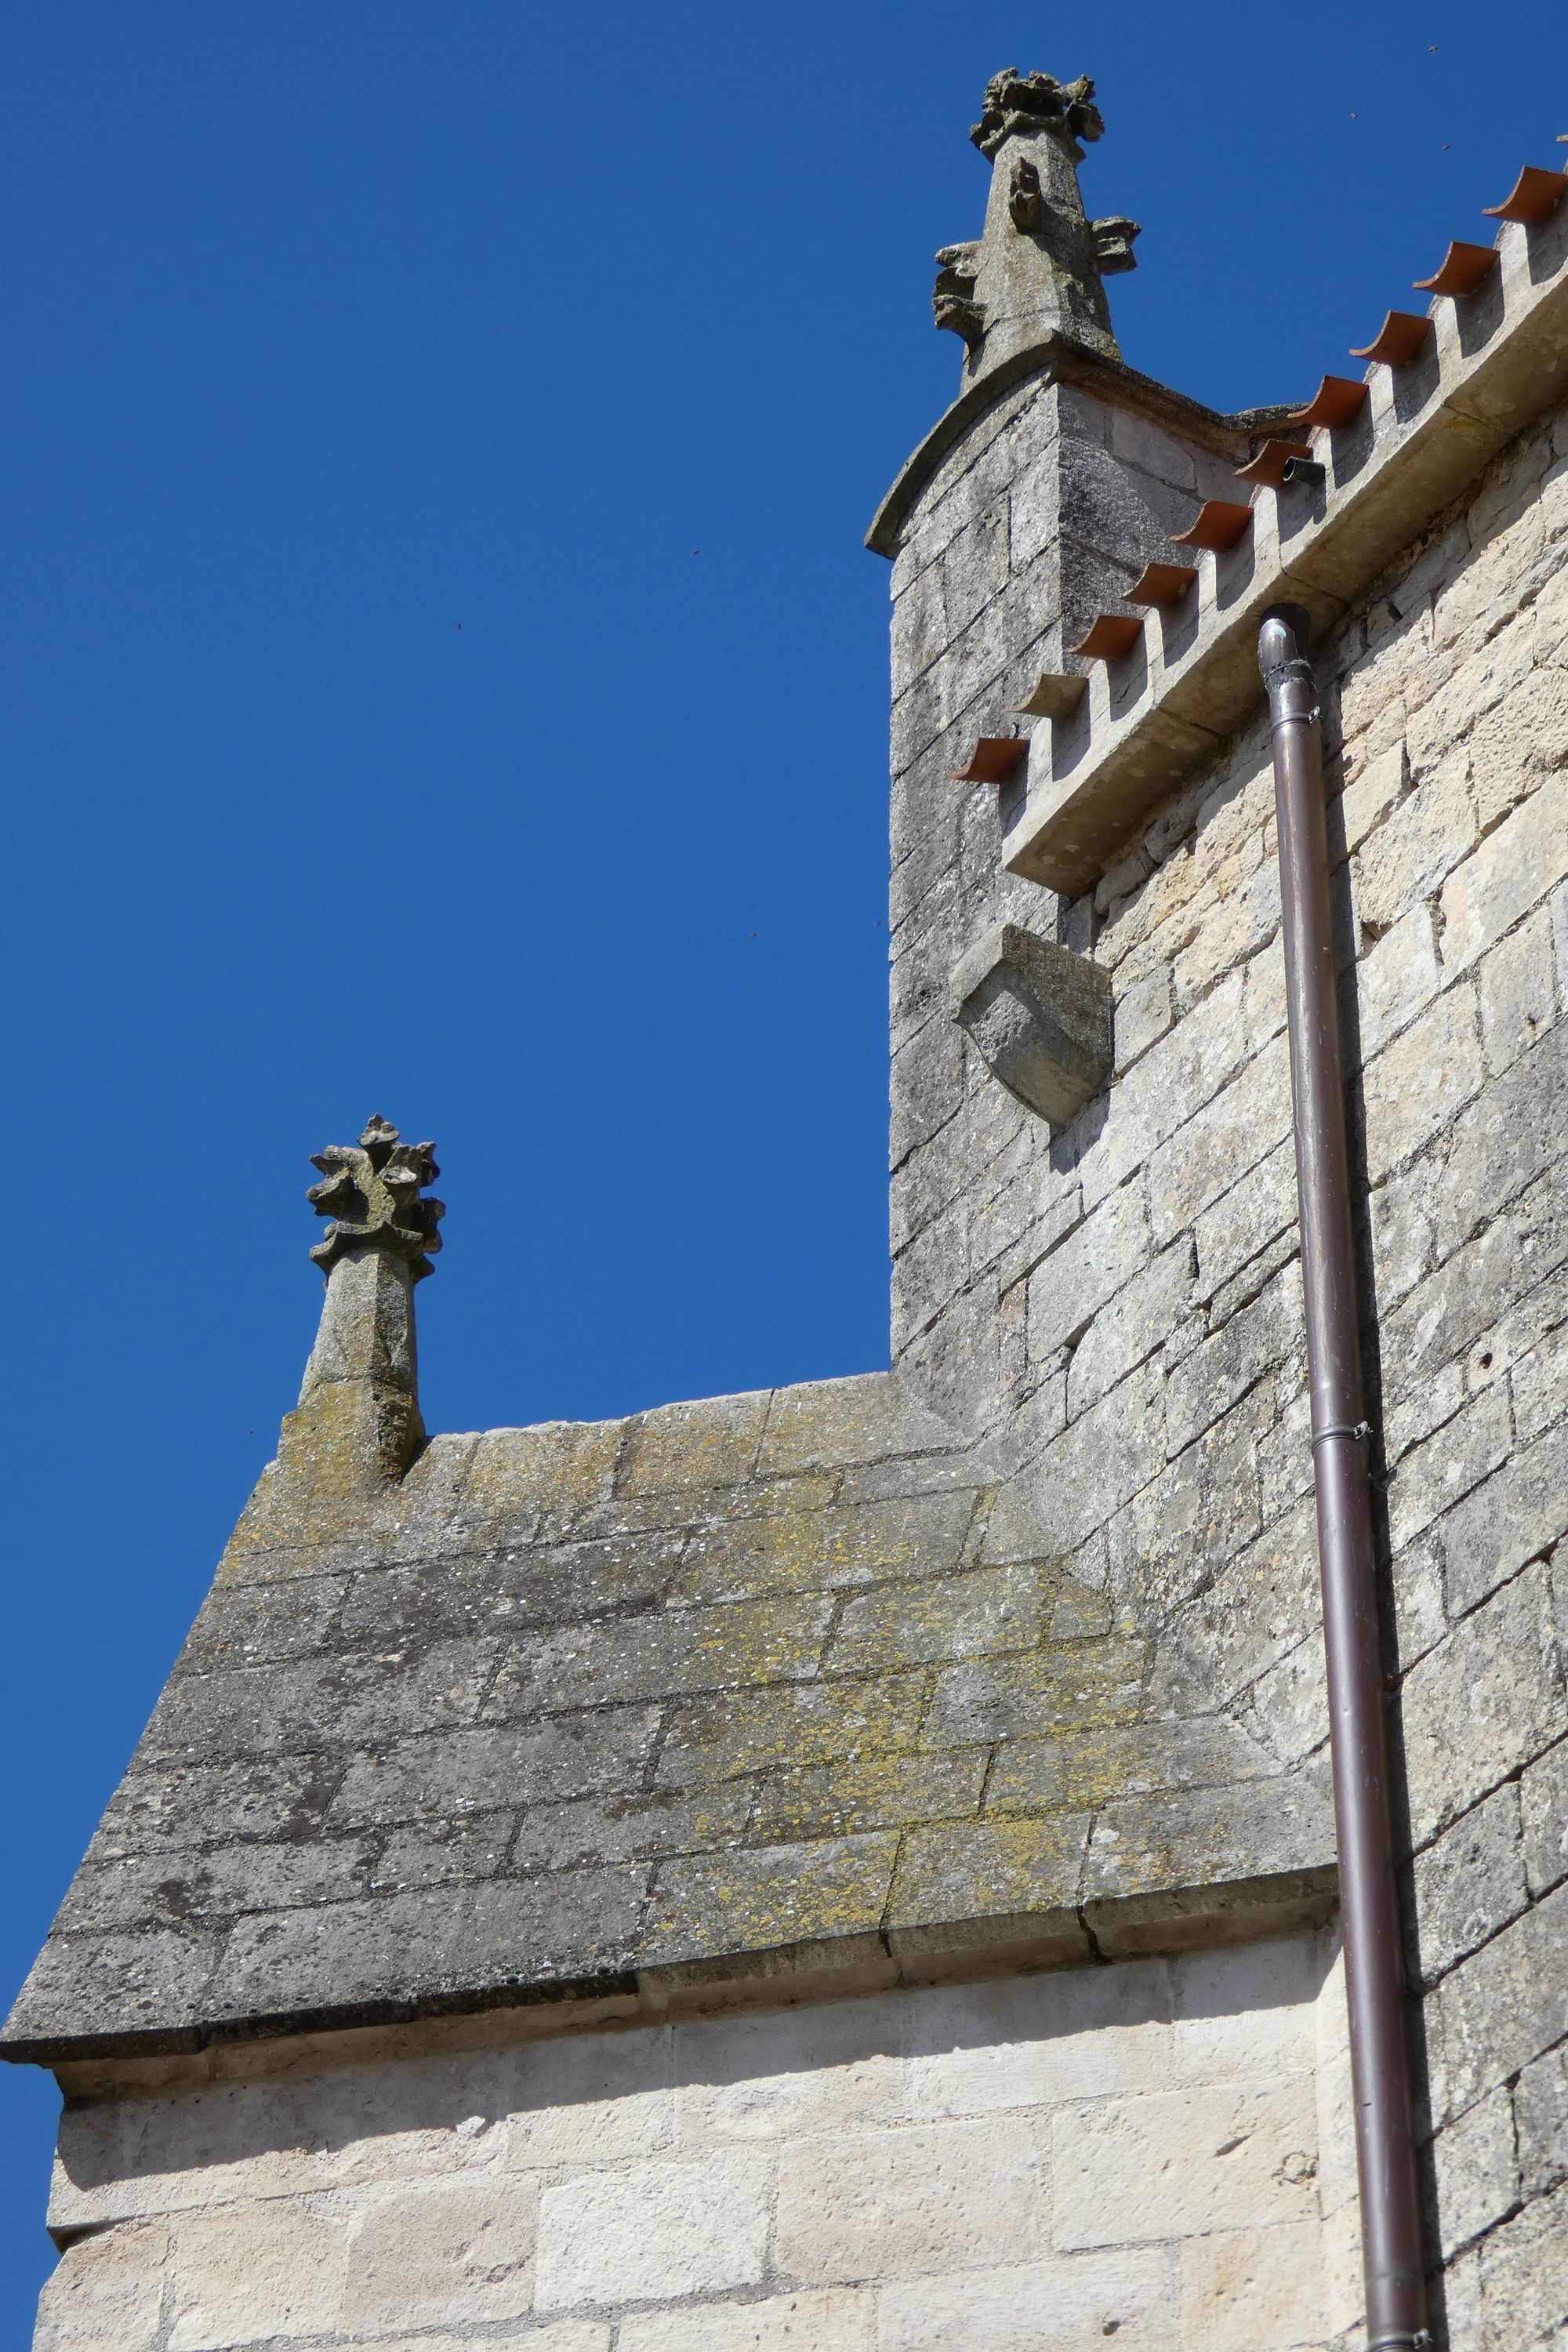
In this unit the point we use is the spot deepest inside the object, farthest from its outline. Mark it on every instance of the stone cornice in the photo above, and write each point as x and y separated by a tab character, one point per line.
1494	360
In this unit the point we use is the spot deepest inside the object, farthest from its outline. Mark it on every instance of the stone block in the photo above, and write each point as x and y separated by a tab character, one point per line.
1253	2290
105	2293
1130	1328
1178	2164
115	1983
1247	2012
982	1610
1517	991
1102	1459
1245	920
1143	1012
247	2272
826	2320
1499	2010
571	1925
1543	1803
1086	1266
974	1870
1205	1838
1416	1085
563	2336
1476	2170
921	2201
1041	1018
1223	1139
1413	848
1393	980
750	1900
585	2098
1511	1136
792	2073
1079	1685
1462	1302
444	2250
1070	2304
805	1723
807	1549
1468	1884
1034	2040
1198	1512
866	1792
644	2232
662	1654
1113	1763
1524	2281
445	1777
1485	1702
1258	1338
1244	1221
1372	792
1520	1511
1540	2117
1432	1477
1506	875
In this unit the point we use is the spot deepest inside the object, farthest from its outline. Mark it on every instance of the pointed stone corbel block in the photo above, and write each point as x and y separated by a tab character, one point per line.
1040	1015
357	1423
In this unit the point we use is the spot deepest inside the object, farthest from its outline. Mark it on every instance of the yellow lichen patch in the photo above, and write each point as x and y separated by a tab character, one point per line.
712	1442
869	1792
967	1870
561	1469
771	1894
710	1740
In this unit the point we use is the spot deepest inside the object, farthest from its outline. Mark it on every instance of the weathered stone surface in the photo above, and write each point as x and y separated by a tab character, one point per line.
673	2228
1476	2170
1499	2010
1040	1015
106	2295
941	2197
760	2180
1185	2162
1468	1884
1543	1801
1540	2118
1486	1702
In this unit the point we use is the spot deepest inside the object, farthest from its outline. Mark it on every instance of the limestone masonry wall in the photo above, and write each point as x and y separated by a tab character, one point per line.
1120	1309
1144	2152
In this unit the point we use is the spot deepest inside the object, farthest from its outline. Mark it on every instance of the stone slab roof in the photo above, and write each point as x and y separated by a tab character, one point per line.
596	1707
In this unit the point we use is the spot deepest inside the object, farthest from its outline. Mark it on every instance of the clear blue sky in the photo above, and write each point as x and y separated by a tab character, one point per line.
447	680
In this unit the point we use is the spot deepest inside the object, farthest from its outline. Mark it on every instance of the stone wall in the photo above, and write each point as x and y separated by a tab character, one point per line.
1033	2165
1119	1310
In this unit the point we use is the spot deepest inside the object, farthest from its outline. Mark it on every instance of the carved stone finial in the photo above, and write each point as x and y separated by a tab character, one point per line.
357	1426
1034	276
1035	101
371	1190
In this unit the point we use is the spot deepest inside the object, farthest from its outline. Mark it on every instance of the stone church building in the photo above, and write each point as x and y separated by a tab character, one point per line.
852	1868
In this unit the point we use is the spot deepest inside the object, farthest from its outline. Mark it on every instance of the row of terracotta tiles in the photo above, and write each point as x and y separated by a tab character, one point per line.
1220	524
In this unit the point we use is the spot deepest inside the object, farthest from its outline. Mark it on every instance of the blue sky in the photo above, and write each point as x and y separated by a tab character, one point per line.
447	680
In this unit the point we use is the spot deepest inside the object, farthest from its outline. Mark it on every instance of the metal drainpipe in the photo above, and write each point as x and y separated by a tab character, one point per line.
1375	1973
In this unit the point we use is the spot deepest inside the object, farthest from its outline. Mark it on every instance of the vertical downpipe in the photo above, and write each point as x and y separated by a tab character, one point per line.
1375	1973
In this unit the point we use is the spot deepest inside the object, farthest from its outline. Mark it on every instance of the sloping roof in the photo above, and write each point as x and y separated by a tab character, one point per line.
578	1707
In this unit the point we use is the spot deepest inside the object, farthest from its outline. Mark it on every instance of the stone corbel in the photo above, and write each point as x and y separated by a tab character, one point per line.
1040	1016
1113	238
953	301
